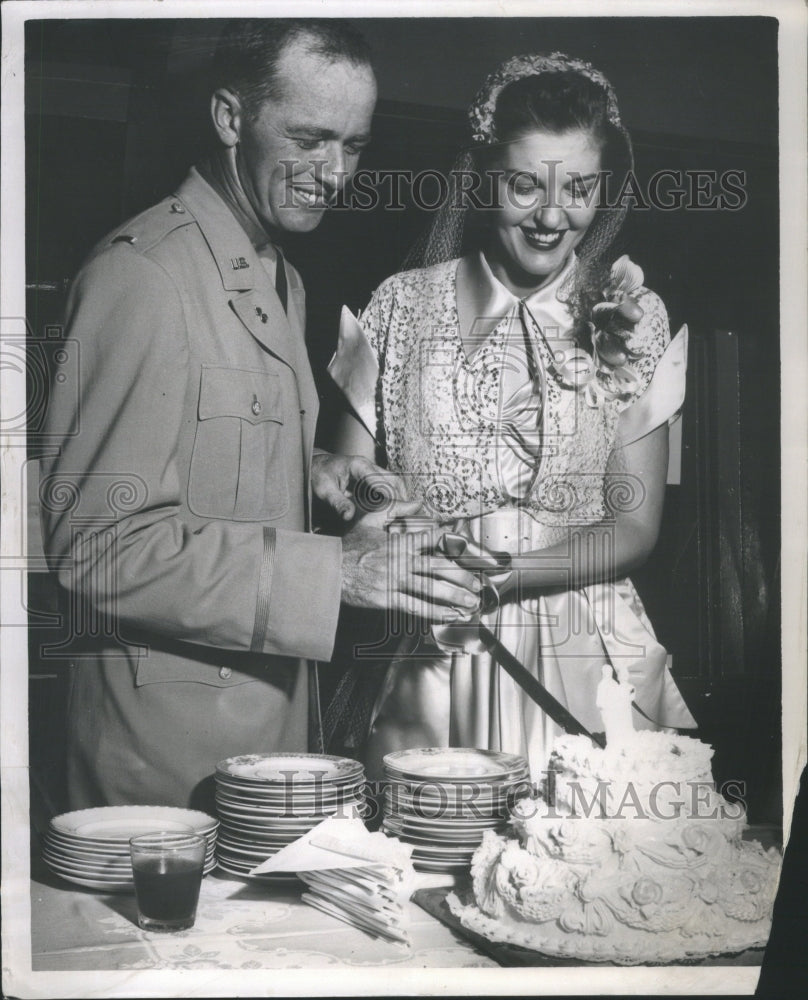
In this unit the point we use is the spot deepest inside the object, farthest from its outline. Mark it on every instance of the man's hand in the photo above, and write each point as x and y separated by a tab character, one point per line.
334	478
402	572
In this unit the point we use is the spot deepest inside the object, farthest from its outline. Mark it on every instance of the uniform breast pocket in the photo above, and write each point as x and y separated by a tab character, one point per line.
238	468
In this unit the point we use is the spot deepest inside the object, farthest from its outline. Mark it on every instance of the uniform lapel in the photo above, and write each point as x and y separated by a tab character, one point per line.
255	300
262	314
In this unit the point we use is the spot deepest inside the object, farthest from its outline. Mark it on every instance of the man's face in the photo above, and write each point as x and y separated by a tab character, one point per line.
304	145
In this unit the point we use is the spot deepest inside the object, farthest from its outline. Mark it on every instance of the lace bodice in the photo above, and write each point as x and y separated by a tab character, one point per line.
439	409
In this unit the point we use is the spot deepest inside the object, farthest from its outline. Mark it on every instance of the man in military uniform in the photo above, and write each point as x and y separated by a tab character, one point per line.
177	512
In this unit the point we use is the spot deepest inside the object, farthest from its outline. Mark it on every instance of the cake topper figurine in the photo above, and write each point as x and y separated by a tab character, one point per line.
614	698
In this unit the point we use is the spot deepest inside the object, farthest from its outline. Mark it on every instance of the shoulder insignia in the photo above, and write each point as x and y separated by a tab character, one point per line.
152	226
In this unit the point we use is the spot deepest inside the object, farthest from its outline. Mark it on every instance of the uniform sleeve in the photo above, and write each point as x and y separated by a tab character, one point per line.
113	497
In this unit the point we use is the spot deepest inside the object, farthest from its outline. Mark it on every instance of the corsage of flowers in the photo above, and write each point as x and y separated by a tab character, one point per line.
607	372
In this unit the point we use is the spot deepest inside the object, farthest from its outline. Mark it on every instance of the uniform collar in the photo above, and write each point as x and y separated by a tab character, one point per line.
226	184
230	245
482	299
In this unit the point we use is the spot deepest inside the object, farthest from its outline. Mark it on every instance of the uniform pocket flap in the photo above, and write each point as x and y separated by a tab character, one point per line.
250	395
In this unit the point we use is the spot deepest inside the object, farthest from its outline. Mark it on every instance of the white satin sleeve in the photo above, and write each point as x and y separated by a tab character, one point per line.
355	370
663	397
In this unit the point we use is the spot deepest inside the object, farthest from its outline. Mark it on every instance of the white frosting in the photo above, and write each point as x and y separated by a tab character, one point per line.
643	883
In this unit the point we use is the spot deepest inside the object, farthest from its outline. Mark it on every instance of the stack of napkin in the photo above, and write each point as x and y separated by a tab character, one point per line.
362	878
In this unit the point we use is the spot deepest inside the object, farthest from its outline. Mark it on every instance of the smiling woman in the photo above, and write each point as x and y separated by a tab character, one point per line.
509	387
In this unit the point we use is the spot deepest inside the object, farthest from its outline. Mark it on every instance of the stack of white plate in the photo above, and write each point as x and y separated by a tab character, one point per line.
91	846
442	800
265	801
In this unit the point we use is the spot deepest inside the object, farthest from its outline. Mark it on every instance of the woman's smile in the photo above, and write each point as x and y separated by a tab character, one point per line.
540	238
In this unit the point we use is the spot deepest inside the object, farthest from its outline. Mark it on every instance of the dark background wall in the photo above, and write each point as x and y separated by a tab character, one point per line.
117	110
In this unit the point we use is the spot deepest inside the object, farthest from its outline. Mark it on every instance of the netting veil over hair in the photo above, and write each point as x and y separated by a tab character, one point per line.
445	238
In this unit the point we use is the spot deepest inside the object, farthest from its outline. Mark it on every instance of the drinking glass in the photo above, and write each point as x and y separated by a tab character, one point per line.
167	870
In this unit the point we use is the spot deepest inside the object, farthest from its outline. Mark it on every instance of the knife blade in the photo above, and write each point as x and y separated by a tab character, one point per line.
456	547
534	689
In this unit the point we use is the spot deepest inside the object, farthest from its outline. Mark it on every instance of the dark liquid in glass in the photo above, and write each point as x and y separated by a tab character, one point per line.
167	888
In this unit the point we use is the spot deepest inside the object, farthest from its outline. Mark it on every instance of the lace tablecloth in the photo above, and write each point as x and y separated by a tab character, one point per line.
239	925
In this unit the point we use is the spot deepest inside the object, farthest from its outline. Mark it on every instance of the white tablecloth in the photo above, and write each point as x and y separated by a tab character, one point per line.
239	925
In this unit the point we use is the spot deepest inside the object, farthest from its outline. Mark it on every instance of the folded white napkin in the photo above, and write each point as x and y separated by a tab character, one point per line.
338	842
362	878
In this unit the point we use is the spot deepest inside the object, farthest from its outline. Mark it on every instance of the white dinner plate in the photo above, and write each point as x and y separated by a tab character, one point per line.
270	826
450	867
290	769
123	869
283	878
287	804
257	833
458	796
473	839
97	885
266	850
105	873
434	853
100	862
264	820
457	787
437	811
454	763
445	823
89	849
265	836
111	824
251	788
289	810
107	883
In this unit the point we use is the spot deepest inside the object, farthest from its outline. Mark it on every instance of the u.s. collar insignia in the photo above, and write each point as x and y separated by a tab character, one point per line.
238	263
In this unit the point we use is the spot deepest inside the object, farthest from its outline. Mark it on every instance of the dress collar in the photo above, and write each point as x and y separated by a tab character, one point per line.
482	299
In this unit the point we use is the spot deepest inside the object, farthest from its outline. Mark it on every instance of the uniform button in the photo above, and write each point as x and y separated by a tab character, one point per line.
177	208
225	673
256	407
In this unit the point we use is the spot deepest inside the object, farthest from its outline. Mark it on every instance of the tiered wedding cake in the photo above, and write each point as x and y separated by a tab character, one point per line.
631	856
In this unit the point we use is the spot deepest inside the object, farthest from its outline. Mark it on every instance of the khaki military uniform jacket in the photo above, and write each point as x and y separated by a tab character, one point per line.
177	510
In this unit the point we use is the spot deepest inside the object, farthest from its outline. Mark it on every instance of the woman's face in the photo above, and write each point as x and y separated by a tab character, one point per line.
548	189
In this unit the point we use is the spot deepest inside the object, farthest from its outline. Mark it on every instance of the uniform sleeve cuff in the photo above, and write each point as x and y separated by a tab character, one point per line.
301	594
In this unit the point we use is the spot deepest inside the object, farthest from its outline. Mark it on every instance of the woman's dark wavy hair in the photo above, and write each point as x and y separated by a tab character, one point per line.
248	52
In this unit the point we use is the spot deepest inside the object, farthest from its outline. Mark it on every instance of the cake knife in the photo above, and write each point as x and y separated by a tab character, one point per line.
454	546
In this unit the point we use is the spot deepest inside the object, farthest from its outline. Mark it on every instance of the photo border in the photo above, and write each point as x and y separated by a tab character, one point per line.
19	980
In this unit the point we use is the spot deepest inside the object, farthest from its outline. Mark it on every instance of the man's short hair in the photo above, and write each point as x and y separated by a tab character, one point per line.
248	51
